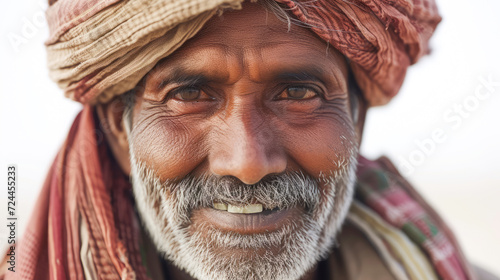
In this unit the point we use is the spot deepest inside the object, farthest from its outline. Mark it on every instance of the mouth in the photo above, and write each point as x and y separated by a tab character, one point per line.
245	219
245	209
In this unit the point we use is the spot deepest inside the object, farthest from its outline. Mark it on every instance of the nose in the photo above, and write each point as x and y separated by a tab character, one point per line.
247	148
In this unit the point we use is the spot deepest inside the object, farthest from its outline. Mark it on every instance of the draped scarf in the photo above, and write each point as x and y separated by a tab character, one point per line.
84	222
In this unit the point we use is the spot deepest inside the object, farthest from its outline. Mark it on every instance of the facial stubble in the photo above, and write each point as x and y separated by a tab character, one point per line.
165	209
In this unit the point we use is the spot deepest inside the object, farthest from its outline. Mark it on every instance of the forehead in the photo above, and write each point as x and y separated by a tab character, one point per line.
255	27
252	41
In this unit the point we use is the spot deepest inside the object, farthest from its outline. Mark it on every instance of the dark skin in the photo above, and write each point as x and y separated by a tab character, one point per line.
243	98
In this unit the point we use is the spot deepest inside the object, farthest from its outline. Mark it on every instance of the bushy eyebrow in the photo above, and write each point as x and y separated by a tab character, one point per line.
289	72
180	77
304	74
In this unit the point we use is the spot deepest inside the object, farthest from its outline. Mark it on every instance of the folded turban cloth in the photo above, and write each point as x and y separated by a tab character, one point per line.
98	49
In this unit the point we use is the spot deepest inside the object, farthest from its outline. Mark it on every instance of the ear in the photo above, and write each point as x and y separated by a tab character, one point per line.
112	124
358	106
360	124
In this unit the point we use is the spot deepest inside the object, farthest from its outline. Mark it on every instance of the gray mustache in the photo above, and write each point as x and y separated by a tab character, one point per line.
280	191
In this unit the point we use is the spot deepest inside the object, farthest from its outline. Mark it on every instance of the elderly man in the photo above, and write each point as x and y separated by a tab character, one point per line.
230	132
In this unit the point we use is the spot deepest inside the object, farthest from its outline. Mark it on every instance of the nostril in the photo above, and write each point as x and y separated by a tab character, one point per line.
250	170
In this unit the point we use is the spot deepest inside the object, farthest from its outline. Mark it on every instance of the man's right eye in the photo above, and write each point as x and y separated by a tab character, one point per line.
190	94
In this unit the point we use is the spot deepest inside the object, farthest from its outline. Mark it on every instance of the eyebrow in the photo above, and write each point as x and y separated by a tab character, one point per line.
182	77
305	74
298	73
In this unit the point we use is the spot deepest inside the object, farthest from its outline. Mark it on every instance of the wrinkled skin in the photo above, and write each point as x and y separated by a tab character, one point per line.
243	123
244	98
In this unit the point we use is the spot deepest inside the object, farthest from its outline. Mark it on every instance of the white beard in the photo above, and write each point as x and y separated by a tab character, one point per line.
165	209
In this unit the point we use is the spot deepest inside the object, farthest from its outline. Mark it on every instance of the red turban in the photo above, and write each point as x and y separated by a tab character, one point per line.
381	38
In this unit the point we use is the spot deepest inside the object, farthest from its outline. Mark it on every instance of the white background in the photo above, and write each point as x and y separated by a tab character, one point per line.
460	176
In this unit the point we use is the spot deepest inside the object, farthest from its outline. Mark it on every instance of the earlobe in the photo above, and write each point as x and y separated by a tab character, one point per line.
112	124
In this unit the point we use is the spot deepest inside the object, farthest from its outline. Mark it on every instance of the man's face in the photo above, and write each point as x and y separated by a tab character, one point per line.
245	117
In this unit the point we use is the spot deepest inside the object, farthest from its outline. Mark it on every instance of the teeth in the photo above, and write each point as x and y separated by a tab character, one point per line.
247	209
220	206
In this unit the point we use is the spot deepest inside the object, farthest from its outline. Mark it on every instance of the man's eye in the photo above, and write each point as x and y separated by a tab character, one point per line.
298	92
190	94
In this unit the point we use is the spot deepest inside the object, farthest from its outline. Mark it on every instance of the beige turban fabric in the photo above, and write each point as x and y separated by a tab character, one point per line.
98	49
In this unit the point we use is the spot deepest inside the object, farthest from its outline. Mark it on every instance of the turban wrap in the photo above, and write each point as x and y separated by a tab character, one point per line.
102	48
84	224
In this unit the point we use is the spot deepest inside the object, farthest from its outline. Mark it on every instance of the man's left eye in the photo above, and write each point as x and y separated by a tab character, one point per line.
298	93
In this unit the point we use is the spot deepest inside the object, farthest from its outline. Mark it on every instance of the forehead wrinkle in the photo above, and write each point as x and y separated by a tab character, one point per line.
198	60
264	35
251	54
260	64
273	61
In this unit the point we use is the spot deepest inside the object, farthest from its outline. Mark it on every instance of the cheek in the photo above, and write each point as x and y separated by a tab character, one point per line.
175	146
166	144
323	146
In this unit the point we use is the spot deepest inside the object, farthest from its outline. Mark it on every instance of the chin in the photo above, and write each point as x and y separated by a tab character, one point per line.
291	233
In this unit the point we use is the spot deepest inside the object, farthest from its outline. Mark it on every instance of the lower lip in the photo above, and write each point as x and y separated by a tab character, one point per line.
266	221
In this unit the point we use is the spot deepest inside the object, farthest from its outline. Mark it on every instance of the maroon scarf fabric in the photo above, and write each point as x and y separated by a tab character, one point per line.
85	185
